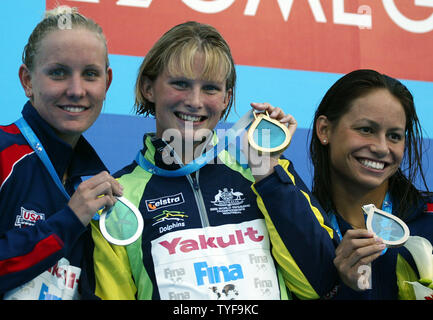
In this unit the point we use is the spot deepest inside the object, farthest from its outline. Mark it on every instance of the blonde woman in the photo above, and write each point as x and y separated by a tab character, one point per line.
206	232
45	244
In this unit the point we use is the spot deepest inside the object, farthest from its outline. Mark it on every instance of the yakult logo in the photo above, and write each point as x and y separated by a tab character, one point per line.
67	275
203	242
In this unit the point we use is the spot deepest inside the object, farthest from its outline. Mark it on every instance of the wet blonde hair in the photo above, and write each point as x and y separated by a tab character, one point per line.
175	52
55	20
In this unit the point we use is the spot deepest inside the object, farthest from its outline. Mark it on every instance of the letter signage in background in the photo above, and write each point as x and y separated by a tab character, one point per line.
334	36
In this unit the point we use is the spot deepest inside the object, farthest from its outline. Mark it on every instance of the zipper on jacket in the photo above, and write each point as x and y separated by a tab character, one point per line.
193	180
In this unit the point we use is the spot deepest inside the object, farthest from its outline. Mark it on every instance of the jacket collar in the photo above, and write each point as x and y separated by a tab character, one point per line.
153	151
159	152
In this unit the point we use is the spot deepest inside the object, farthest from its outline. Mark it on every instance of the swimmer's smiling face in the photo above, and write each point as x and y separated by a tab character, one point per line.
367	143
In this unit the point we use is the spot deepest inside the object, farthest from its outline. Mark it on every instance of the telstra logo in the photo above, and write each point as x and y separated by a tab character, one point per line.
163	202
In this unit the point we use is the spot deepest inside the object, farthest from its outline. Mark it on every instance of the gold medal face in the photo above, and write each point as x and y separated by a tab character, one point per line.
391	229
268	135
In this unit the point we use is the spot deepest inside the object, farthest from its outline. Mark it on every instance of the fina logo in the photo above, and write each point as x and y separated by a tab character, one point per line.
163	202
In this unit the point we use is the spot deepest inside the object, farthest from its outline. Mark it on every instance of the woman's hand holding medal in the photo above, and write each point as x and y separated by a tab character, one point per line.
91	195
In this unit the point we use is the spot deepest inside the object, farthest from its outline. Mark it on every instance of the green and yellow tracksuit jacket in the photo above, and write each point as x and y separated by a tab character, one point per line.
217	235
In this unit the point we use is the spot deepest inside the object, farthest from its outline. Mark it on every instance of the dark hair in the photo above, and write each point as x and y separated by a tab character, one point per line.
337	102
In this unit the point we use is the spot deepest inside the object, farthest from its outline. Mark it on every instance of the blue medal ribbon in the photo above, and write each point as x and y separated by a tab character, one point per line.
37	146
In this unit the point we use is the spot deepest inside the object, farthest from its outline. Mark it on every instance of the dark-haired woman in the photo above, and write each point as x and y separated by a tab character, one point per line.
366	148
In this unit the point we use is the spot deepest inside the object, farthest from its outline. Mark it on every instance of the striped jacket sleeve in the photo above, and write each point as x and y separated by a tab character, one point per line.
26	253
302	242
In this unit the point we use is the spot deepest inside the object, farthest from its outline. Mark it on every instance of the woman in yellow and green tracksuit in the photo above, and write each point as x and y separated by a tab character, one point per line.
209	234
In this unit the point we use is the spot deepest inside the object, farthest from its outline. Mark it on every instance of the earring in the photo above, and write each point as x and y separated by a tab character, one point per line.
325	141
